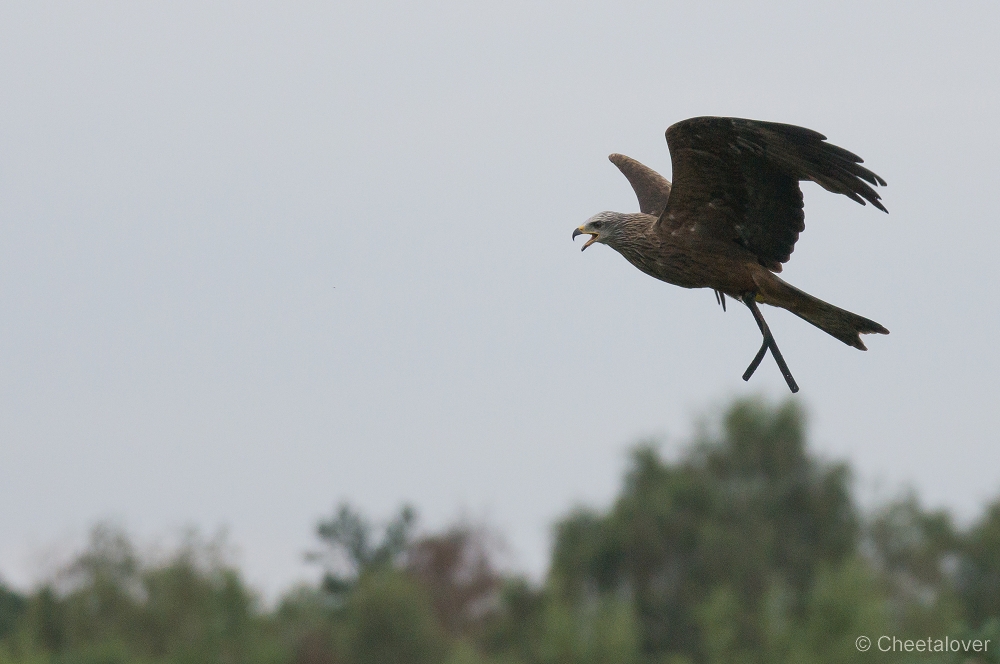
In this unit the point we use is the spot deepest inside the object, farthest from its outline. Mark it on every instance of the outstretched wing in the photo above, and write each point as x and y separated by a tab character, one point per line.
739	179
651	188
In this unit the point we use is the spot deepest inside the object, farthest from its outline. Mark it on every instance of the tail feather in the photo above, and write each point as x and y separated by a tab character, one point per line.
837	322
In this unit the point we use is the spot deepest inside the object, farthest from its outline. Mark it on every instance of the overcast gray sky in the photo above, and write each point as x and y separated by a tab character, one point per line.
258	258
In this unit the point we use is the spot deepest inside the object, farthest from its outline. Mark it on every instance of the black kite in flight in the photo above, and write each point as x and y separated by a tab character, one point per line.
732	216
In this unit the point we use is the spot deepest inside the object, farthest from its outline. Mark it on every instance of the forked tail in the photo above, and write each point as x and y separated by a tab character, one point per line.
833	320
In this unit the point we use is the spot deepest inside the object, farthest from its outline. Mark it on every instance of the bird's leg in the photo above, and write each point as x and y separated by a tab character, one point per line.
756	361
769	342
749	300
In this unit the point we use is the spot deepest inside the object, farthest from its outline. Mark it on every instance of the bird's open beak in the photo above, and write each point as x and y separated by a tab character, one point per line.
580	231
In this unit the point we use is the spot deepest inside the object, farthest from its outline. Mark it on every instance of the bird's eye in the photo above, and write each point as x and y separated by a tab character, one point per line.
597	224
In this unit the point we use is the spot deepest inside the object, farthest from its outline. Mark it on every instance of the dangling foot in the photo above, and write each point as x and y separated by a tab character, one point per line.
720	298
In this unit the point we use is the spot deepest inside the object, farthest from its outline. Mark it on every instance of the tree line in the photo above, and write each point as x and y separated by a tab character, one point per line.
746	549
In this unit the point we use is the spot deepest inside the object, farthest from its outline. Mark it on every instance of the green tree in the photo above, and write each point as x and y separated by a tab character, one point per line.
304	621
197	608
746	549
843	604
979	569
12	607
114	607
915	555
350	549
389	618
701	541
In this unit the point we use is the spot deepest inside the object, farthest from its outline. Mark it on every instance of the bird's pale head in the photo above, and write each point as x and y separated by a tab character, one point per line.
603	227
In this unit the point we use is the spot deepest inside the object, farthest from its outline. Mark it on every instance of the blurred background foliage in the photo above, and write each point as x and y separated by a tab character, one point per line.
747	549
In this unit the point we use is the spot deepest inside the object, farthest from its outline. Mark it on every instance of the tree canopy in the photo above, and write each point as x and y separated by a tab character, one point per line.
747	548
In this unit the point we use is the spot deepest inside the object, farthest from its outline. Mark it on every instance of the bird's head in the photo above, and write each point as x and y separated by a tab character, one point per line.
603	227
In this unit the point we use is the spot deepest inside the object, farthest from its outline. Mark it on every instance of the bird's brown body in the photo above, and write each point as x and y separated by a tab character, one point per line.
733	214
687	259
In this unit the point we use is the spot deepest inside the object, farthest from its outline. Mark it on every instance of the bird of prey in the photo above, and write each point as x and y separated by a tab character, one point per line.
732	216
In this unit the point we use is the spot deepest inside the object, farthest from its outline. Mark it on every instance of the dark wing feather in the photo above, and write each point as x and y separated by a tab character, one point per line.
738	179
651	188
